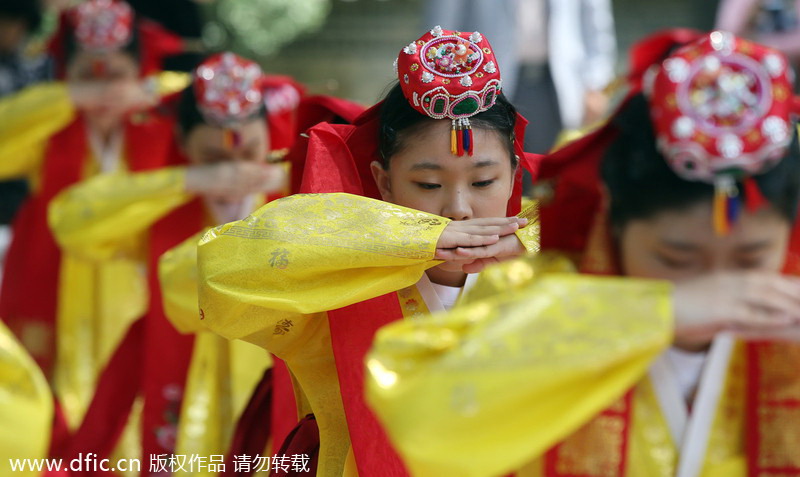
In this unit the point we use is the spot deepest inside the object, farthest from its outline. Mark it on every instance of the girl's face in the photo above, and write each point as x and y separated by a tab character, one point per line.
682	244
109	68
206	144
426	176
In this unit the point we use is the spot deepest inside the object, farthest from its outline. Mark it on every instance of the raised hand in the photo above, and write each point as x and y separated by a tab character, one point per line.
233	180
754	304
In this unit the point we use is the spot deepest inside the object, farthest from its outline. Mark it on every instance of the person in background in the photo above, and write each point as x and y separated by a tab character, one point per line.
310	277
775	23
558	57
69	312
693	186
217	172
226	408
20	66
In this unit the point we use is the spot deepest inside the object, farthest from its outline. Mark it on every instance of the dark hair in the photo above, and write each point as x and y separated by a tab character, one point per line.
189	116
29	11
641	184
132	48
399	121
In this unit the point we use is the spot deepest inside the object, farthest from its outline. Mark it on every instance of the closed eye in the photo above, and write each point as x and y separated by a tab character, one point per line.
674	263
428	185
483	183
749	263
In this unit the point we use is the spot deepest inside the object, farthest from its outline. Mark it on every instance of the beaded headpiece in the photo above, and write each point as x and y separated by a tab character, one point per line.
450	75
722	109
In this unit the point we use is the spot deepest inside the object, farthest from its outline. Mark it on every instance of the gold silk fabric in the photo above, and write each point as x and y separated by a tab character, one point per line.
100	225
26	406
271	278
222	373
525	368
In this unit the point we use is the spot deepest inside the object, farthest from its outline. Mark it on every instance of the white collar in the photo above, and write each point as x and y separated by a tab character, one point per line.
107	154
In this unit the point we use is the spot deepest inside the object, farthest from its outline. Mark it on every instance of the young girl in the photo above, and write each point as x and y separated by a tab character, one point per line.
209	410
591	385
312	276
57	134
218	172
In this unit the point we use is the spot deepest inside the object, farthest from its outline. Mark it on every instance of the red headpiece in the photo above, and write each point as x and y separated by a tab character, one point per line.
109	25
722	110
722	106
103	25
449	74
228	89
573	171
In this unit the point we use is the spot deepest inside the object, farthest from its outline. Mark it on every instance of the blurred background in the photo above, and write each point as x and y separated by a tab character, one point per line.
345	47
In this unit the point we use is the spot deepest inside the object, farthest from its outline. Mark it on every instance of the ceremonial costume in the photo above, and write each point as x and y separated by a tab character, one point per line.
224	412
567	380
311	277
65	308
26	409
97	218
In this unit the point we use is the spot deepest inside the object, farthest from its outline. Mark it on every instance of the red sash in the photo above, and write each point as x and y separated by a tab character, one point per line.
29	294
166	364
598	449
338	160
773	398
29	300
772	410
330	167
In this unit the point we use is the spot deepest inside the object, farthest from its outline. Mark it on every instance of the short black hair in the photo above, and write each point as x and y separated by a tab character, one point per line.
641	184
189	115
398	121
29	11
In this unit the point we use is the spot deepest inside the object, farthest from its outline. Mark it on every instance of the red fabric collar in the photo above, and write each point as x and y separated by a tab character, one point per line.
337	160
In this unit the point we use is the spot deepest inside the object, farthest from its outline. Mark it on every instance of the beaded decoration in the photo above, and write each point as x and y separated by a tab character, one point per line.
450	75
722	109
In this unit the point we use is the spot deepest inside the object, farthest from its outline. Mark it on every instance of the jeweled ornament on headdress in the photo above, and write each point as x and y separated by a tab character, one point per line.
228	91
103	25
722	111
450	75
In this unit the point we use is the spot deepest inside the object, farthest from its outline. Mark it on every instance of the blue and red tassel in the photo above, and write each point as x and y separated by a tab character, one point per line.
461	139
728	202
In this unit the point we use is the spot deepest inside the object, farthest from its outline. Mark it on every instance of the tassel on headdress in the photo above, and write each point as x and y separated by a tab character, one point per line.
450	75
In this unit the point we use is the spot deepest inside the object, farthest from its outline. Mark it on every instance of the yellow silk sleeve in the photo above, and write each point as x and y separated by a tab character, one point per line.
530	234
306	254
27	120
177	272
93	218
26	406
493	384
169	82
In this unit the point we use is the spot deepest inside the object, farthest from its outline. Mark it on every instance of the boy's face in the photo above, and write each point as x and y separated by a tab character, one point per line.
426	176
